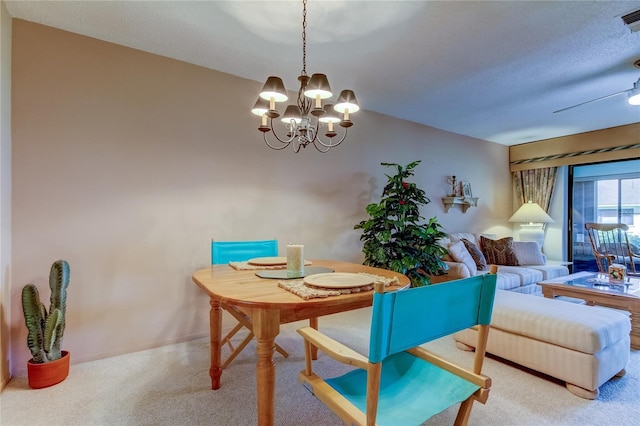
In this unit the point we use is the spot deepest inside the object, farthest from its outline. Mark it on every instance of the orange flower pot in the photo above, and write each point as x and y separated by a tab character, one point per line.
49	373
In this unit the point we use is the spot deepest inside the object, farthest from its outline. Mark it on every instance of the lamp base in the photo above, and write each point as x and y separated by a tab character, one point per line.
532	232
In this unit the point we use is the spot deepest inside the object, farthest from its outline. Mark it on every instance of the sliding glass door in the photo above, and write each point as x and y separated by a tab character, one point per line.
602	193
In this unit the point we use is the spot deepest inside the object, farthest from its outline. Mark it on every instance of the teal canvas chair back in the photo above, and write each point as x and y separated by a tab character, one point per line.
408	318
237	251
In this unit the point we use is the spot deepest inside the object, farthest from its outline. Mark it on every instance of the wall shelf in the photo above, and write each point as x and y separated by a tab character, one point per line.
464	202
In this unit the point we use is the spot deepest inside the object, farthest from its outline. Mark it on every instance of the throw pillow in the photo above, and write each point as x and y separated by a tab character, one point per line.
528	253
499	252
460	254
476	254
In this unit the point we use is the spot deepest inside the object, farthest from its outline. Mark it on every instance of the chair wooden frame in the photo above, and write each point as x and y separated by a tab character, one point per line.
238	251
610	244
372	365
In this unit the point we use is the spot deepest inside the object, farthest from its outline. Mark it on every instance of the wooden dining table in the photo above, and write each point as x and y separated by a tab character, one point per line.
268	306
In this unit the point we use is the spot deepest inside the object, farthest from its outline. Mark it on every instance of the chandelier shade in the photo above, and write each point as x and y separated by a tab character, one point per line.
292	113
318	87
274	89
329	115
307	121
261	107
347	102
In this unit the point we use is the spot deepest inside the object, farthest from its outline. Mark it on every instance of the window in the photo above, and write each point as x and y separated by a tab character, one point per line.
603	193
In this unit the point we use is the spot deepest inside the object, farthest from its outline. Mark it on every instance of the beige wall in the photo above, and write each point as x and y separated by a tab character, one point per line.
5	191
126	164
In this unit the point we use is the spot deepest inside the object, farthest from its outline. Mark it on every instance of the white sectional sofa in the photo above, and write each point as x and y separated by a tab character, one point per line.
532	264
584	346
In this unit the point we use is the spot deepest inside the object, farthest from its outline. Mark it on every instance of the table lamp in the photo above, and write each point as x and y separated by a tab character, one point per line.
531	216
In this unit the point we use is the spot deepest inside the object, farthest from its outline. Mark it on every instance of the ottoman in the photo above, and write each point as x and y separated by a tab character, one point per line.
582	345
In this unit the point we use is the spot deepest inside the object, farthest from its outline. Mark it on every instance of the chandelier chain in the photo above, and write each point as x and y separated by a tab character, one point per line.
304	37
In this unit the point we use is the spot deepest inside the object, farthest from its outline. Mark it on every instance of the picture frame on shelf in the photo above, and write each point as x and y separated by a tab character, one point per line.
465	189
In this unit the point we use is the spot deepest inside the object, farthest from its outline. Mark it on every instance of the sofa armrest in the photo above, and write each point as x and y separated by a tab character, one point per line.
456	271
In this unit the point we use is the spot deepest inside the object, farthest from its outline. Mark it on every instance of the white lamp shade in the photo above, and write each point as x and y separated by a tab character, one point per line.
531	213
634	94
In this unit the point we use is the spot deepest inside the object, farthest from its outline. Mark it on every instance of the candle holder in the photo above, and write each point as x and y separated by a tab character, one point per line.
454	186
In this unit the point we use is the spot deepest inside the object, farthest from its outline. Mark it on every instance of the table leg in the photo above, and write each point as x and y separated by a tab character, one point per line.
215	334
313	323
266	326
635	329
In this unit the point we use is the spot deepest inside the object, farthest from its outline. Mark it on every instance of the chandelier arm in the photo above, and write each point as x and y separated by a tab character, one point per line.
285	143
330	144
317	138
275	147
317	147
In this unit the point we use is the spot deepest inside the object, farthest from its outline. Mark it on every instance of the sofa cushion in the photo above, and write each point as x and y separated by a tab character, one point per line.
498	252
550	271
507	281
529	253
476	254
578	327
527	275
460	254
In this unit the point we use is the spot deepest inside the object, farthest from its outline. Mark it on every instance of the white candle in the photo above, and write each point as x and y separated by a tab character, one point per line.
295	258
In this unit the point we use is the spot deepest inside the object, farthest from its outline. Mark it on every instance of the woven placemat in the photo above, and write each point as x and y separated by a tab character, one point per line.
306	291
246	266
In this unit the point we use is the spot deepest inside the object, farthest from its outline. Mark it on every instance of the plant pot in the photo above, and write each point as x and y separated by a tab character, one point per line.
49	373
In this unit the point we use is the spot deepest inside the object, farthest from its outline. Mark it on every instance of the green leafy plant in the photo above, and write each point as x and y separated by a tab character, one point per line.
393	236
46	329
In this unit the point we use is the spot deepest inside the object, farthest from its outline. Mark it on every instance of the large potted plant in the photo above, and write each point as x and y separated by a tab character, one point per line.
49	364
395	237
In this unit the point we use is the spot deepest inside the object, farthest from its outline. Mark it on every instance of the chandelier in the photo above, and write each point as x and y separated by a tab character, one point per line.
304	121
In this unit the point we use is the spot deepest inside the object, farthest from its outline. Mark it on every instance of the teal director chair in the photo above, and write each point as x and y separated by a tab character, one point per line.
223	252
400	382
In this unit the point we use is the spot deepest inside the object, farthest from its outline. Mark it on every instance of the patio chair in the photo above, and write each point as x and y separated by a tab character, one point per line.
400	382
223	252
610	244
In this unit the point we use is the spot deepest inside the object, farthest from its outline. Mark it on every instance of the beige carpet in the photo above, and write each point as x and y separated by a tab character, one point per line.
170	386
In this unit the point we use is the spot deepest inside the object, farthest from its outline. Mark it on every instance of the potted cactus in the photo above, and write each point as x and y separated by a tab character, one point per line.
49	364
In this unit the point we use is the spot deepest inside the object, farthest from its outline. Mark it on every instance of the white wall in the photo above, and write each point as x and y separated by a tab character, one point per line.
126	164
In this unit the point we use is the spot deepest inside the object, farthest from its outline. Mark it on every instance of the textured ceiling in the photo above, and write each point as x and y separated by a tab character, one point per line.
493	70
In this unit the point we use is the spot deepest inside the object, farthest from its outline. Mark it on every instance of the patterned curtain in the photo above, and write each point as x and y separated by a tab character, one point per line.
536	185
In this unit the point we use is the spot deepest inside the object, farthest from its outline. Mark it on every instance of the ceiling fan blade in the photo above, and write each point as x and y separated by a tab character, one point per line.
593	100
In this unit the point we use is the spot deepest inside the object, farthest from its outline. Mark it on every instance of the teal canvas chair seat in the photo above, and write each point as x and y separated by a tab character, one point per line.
223	252
400	382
